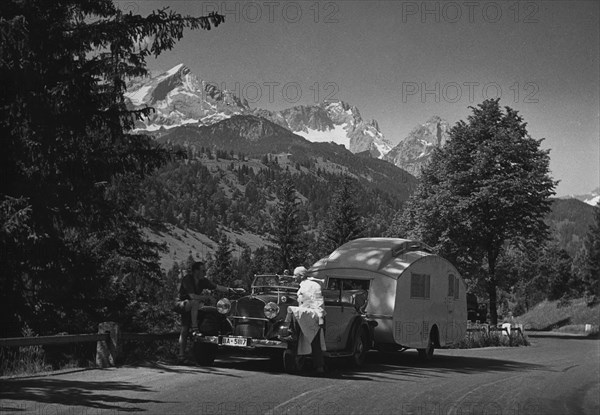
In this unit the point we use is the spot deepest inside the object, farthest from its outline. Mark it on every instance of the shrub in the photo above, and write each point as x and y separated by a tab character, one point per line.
22	360
493	338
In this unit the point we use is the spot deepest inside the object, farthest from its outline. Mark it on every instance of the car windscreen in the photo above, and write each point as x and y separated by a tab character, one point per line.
274	282
345	284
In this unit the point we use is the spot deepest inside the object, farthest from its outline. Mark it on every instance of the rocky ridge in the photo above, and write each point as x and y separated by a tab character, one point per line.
181	98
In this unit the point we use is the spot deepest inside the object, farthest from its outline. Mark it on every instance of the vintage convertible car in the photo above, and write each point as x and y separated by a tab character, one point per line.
258	323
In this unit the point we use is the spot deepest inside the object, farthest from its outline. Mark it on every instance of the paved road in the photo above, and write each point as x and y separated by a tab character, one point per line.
553	376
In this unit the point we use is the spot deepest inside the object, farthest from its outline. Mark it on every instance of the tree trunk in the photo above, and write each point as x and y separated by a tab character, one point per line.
492	289
492	295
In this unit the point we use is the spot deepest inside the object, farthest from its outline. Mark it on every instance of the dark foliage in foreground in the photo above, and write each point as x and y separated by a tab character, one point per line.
71	248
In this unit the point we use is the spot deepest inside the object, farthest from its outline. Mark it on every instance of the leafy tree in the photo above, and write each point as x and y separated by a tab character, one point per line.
72	251
554	272
489	185
286	228
343	223
533	273
588	260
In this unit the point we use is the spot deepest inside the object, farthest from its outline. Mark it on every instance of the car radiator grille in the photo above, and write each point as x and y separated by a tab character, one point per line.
249	328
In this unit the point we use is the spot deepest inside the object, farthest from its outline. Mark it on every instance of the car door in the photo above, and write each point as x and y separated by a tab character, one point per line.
335	320
341	311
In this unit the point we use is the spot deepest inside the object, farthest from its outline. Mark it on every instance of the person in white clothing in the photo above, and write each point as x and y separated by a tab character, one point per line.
311	297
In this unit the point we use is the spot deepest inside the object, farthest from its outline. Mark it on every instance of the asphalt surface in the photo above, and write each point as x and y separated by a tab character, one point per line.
553	376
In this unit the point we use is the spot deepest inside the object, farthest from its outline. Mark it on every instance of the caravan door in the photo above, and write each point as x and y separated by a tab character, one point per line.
451	302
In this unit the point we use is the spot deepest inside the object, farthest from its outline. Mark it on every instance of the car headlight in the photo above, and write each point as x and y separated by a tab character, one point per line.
271	310
224	306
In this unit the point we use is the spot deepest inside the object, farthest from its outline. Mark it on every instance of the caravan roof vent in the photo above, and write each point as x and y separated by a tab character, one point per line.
410	246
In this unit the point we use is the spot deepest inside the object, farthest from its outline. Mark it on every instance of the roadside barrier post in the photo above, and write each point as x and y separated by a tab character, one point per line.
108	352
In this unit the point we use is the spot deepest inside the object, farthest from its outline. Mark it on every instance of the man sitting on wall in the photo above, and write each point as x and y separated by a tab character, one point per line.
194	292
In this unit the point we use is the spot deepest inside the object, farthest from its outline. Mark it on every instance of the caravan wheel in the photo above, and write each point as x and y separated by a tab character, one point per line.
426	354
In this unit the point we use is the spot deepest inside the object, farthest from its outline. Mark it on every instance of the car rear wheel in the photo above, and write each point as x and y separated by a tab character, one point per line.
361	348
205	353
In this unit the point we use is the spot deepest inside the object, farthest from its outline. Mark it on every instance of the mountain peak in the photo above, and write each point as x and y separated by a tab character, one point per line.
414	151
179	97
177	68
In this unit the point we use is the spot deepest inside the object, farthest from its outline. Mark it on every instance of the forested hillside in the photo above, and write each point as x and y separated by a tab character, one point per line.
215	192
569	221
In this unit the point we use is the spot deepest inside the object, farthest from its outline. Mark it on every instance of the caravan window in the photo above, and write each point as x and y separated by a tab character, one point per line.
453	284
456	285
419	286
450	285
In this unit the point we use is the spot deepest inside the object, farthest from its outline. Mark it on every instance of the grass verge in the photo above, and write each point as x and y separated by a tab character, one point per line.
570	316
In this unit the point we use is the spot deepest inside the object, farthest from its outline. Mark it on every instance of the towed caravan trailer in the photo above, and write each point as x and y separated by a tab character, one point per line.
417	298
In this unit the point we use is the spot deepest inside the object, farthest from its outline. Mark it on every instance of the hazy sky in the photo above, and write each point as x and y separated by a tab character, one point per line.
401	62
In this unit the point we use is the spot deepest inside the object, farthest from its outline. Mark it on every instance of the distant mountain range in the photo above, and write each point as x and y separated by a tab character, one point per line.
181	98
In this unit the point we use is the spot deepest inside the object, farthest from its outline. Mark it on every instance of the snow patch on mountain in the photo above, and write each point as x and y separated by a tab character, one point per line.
174	70
138	97
336	135
593	200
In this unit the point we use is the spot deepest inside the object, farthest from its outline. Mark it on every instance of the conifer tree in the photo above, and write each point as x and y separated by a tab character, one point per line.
222	269
287	233
344	223
71	247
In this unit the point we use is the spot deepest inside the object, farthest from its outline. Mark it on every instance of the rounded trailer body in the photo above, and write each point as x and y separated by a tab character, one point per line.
415	296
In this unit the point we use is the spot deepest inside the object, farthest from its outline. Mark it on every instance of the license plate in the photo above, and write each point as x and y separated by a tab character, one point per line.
235	341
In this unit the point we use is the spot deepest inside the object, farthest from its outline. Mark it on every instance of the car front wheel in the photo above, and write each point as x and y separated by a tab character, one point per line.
205	353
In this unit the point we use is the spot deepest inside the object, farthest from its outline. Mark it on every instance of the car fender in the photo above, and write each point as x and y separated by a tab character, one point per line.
359	323
215	321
